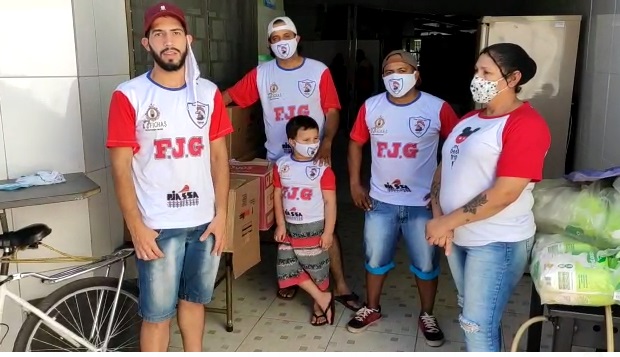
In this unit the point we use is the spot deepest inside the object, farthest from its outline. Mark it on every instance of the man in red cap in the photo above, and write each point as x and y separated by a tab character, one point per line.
166	135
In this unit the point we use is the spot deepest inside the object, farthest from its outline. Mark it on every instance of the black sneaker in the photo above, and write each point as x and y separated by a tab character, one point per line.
430	328
364	317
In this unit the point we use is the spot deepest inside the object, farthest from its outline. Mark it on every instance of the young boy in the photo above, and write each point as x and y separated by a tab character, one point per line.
305	210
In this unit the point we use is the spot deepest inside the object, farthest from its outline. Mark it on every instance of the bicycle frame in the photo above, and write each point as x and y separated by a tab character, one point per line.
77	341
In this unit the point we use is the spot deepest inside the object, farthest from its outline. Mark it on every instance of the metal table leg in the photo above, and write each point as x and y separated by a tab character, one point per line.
563	331
228	276
4	267
534	333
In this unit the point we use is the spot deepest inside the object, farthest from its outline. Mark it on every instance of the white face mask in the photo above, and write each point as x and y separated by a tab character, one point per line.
307	150
483	91
284	49
399	84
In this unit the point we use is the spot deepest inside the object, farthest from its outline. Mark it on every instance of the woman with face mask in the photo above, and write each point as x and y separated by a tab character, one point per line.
482	193
404	126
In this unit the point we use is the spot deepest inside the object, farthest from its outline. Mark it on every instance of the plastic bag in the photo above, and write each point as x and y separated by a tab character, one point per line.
590	213
553	204
569	272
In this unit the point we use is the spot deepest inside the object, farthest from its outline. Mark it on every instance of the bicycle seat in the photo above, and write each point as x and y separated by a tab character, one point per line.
24	237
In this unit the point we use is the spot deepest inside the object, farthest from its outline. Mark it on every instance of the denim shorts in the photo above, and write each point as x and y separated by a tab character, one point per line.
485	278
382	227
187	272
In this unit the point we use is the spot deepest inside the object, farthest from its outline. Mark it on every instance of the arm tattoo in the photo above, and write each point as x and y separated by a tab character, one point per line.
475	203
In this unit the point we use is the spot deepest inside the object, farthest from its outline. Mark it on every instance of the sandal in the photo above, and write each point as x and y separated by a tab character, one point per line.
331	307
293	291
346	301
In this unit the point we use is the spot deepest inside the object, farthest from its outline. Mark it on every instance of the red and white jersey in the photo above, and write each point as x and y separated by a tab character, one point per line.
404	141
170	138
284	93
481	149
302	183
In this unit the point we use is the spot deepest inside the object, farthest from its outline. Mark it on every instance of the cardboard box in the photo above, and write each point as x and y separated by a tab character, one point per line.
244	141
242	225
263	170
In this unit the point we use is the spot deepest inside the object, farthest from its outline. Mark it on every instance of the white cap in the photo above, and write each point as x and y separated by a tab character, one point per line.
288	25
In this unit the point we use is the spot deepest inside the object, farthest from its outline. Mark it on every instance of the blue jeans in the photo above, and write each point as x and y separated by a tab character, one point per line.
485	277
187	272
382	226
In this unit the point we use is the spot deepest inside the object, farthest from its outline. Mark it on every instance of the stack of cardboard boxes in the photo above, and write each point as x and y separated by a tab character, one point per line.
251	178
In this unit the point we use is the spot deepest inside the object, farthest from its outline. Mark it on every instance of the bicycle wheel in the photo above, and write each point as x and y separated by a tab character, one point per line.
84	307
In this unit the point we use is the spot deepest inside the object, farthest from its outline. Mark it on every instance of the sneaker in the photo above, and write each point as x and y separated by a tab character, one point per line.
430	328
364	317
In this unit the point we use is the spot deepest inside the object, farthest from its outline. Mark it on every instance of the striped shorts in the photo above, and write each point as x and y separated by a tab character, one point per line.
300	256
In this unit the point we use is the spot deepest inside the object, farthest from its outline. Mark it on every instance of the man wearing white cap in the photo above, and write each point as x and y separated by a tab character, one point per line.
166	135
288	86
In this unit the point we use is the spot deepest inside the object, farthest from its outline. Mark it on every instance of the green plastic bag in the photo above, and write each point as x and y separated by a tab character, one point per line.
569	272
588	213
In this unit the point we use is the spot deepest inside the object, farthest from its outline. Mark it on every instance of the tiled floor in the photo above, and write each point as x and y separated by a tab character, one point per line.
264	323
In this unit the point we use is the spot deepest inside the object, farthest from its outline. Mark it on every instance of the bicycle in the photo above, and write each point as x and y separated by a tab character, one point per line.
46	322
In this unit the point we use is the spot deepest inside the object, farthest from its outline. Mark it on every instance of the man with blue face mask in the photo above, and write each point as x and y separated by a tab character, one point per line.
404	126
289	86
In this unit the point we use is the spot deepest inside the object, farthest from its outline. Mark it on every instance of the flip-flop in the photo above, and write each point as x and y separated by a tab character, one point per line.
317	317
331	307
294	290
345	300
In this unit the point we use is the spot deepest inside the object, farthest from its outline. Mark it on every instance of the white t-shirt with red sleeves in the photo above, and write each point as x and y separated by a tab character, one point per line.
478	151
404	141
284	93
302	183
170	138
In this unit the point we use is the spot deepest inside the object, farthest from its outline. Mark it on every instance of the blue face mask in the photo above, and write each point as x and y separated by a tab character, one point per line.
41	178
13	186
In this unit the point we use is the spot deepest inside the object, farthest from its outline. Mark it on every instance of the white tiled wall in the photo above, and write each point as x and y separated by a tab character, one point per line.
56	79
103	63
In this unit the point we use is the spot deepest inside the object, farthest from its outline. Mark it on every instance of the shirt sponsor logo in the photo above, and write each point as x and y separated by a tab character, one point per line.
293	215
273	92
151	120
377	129
182	198
396	186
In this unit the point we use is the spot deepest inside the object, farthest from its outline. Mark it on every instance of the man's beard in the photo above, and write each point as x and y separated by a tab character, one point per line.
169	66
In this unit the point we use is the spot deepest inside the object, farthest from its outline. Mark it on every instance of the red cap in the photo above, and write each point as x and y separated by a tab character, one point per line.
163	9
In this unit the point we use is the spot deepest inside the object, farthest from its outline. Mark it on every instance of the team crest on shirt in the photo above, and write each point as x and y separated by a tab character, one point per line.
419	126
198	112
312	172
306	87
